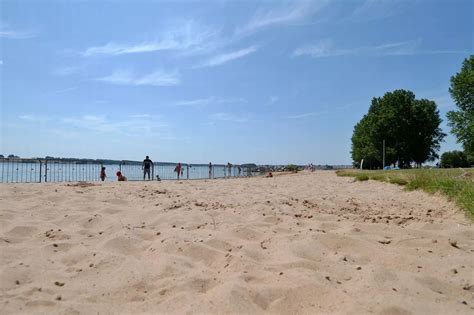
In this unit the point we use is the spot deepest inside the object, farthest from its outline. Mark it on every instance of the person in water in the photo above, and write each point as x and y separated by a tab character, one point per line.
120	177
210	170
146	167
102	173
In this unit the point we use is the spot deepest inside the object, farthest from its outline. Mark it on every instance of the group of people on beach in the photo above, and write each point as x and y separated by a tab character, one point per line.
146	167
119	174
179	170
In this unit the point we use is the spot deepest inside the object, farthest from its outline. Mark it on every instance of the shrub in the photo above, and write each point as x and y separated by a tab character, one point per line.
292	168
454	159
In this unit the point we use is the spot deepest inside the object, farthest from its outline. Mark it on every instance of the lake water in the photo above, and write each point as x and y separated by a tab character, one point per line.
17	171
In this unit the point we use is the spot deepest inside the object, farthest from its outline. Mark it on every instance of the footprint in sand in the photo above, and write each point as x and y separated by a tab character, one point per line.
124	245
247	234
21	232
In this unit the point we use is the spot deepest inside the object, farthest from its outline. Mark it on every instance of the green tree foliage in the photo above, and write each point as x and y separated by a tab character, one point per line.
453	159
462	120
410	128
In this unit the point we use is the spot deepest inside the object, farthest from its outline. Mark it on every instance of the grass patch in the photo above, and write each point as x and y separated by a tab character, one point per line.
398	181
448	182
361	177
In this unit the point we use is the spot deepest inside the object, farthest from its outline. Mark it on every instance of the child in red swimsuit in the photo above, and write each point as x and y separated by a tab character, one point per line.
120	177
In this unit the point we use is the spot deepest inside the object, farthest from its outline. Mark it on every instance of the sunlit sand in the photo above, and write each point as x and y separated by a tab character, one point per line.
299	243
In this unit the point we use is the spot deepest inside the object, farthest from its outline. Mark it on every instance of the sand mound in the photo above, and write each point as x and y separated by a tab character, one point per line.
81	184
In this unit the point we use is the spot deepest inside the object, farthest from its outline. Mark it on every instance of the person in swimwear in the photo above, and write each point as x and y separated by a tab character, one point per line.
102	173
120	177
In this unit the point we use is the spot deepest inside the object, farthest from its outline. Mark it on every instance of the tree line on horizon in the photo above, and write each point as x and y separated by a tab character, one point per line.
410	127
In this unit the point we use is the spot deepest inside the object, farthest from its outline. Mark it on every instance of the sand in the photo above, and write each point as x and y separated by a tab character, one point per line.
309	243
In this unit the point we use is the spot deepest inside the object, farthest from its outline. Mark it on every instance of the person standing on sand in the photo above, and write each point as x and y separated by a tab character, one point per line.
146	167
102	173
210	170
229	166
240	170
178	169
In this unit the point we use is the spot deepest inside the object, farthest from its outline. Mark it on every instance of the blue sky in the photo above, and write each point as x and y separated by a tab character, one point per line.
239	81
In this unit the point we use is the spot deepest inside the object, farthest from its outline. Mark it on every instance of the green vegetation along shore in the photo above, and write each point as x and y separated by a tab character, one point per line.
449	182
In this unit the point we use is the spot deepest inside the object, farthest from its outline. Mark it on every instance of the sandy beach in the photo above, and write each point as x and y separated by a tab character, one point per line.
308	243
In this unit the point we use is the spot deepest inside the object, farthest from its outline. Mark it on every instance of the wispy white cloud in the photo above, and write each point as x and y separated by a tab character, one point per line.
442	52
226	57
134	125
377	9
230	100
72	88
190	37
210	100
120	49
67	70
230	117
284	14
157	78
321	49
6	32
195	103
325	49
35	118
1	62
332	110
305	115
141	116
91	122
